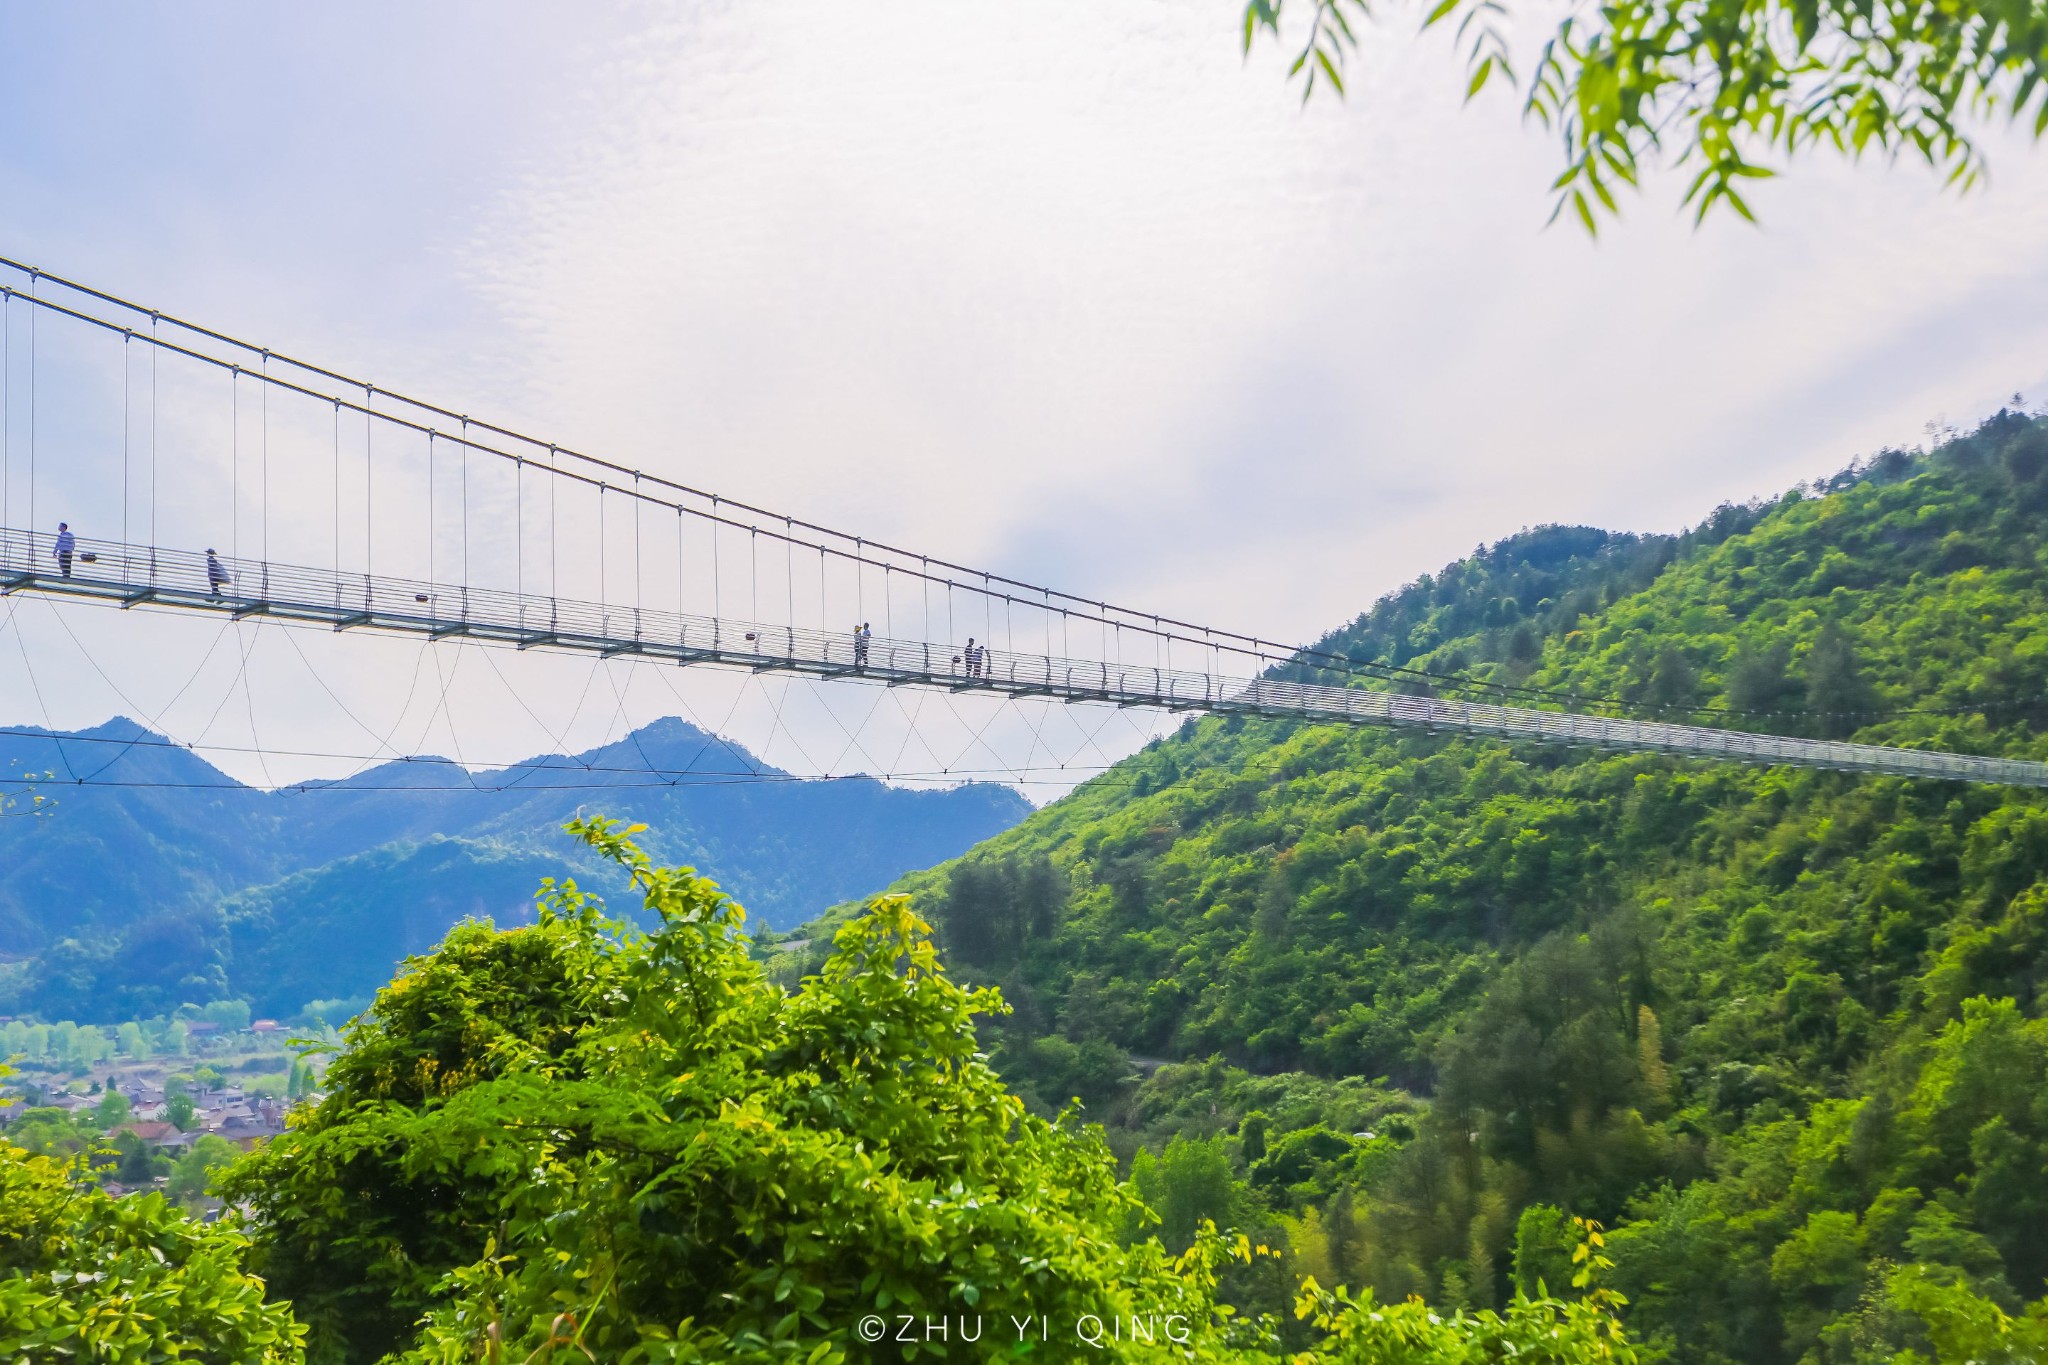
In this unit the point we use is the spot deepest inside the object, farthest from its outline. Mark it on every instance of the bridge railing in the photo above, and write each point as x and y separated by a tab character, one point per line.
134	574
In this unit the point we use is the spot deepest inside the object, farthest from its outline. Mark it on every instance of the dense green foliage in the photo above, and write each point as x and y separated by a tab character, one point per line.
1720	1007
573	1141
88	1278
570	1140
571	1132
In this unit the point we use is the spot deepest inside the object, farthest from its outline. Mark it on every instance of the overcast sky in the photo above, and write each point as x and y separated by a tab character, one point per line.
1072	291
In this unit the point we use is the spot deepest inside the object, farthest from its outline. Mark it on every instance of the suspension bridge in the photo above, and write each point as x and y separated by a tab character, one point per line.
409	518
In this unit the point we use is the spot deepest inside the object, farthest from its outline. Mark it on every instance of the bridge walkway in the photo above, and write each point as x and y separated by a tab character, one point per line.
131	575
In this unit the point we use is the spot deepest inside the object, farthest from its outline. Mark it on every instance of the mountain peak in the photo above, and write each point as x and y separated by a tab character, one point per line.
673	745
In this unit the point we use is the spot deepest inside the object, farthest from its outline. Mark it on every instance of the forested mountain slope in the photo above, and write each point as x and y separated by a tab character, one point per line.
1781	1026
182	885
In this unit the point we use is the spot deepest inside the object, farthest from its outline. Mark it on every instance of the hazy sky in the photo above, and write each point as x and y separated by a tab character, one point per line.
1068	290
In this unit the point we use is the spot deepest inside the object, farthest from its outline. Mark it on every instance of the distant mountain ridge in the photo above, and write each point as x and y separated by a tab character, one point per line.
181	883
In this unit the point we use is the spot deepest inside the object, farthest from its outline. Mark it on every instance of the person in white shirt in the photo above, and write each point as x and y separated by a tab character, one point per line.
66	543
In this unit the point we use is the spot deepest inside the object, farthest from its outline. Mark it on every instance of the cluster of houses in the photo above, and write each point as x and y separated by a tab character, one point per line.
224	1112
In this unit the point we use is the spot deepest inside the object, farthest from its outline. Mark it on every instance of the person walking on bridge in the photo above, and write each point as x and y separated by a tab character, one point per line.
973	654
66	543
861	639
216	576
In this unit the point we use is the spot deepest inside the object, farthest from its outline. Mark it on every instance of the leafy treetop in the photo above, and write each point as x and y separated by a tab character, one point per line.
574	1141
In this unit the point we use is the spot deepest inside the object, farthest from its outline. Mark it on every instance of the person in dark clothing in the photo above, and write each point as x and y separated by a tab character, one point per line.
973	653
216	576
66	544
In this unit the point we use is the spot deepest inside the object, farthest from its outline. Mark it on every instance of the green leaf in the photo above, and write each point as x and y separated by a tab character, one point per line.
1330	70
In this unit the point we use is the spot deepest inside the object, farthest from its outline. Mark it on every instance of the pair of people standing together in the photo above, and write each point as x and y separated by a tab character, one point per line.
973	657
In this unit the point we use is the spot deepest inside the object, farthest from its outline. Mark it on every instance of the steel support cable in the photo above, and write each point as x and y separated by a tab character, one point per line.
1037	732
611	727
440	708
621	713
249	708
394	756
57	737
1259	647
337	505
33	314
1211	779
154	352
1269	652
1093	737
519	536
561	743
341	785
995	714
508	433
381	741
712	736
852	735
127	421
411	691
6	406
235	462
265	447
560	740
152	721
909	723
777	727
448	717
35	685
554	557
369	496
465	519
921	733
1085	738
1265	651
241	667
589	680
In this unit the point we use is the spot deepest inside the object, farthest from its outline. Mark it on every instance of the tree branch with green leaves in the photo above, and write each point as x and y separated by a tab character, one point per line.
1722	87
